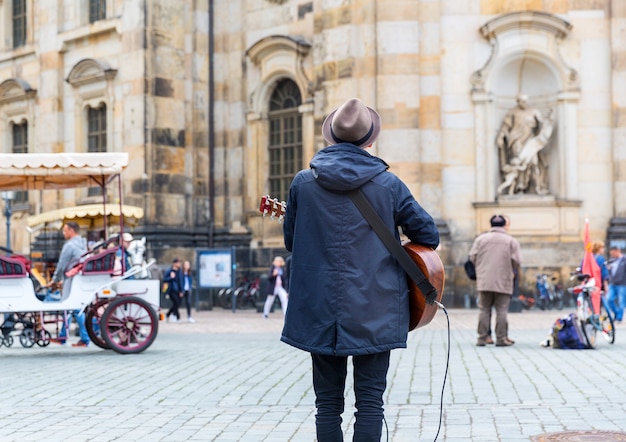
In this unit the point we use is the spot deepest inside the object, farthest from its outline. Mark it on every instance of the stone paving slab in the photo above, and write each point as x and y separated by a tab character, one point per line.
229	378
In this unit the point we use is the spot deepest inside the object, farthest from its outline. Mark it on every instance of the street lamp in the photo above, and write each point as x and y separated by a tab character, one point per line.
8	196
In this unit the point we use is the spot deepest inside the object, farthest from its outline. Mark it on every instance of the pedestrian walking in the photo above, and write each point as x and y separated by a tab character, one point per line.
175	283
597	249
497	258
187	289
277	278
617	283
348	296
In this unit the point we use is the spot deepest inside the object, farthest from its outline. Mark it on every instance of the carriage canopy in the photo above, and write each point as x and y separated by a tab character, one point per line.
91	212
44	171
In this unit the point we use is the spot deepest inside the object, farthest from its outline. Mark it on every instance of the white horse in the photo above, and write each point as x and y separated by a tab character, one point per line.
136	250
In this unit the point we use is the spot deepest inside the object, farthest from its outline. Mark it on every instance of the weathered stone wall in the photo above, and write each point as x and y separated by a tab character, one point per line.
413	62
153	79
617	26
416	62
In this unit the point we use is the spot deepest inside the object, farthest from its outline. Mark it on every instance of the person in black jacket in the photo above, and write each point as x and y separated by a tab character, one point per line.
348	295
174	279
187	289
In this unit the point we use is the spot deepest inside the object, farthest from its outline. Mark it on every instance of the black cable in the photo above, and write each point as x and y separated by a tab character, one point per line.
445	376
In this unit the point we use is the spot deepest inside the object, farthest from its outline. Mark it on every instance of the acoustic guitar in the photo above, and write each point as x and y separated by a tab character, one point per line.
421	314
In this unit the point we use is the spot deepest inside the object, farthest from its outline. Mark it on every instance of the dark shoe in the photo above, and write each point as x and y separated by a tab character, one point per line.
506	343
60	341
80	344
480	343
489	340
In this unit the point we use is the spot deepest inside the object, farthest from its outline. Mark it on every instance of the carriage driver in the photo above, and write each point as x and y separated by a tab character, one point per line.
75	246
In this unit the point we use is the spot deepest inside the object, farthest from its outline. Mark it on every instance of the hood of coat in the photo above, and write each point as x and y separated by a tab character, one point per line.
344	167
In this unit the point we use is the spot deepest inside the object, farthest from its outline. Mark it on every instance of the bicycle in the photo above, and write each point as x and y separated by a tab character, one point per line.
247	294
549	295
590	321
224	297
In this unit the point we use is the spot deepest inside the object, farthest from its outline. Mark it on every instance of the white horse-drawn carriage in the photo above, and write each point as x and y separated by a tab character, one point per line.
121	305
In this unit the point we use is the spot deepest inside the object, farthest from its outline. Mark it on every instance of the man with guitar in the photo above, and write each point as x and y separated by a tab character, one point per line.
348	295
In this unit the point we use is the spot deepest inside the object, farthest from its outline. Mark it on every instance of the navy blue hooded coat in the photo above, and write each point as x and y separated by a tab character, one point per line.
347	294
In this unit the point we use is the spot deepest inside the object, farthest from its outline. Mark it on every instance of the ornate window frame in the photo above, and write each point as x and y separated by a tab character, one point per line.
269	61
17	105
92	81
285	140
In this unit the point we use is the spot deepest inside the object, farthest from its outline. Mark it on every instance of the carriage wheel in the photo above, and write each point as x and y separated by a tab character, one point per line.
27	338
8	340
43	338
92	323
129	325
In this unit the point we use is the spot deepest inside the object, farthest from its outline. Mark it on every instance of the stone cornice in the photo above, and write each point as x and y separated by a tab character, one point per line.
90	70
275	43
15	89
111	26
526	19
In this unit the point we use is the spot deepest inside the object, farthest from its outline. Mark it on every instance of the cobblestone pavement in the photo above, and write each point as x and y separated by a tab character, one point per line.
228	378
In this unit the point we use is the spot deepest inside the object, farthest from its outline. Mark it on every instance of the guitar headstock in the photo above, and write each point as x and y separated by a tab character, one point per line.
273	207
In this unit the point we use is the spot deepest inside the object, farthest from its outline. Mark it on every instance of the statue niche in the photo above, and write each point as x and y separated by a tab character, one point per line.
523	134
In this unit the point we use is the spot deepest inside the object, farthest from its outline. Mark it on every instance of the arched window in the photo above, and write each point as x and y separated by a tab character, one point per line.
285	147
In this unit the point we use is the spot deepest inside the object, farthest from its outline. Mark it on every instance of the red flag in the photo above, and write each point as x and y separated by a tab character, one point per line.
591	267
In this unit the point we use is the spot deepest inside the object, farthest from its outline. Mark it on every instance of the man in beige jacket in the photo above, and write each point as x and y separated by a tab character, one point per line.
496	256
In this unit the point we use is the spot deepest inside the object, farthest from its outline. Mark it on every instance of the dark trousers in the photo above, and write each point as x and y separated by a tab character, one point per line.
175	299
487	300
370	382
187	298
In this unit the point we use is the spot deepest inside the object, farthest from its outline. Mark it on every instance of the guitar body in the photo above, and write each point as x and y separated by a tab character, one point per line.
430	264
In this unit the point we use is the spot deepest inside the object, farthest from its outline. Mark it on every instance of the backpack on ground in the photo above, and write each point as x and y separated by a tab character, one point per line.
567	334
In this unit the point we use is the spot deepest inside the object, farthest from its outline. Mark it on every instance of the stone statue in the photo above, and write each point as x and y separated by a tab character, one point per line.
523	134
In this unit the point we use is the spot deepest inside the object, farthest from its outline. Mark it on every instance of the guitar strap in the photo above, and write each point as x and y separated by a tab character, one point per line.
377	224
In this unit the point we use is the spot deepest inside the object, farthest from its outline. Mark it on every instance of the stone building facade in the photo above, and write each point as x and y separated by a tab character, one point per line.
113	75
219	102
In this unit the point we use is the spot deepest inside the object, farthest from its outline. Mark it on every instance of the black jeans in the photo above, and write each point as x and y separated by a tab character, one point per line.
370	382
175	299
187	298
